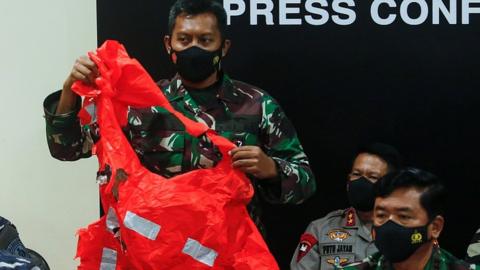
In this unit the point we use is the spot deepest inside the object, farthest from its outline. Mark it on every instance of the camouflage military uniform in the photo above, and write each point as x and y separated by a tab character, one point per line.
338	238
439	260
240	112
473	251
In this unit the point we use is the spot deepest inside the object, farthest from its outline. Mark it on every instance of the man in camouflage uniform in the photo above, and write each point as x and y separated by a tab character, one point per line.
408	219
343	236
473	251
268	151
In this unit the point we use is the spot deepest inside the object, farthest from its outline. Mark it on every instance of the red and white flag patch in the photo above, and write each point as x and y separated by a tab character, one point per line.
307	241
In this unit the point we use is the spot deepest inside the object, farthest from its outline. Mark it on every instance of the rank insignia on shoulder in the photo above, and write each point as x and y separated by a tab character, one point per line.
338	235
350	216
307	241
337	261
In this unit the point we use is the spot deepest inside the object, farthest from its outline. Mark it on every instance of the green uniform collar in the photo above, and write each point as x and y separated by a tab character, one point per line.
226	92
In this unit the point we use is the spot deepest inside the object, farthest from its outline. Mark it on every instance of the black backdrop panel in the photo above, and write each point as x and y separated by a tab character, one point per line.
416	87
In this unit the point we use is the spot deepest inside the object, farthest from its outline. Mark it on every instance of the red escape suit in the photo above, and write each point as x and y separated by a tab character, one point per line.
197	220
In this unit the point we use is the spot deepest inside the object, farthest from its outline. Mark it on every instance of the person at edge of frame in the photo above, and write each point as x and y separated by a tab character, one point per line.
408	218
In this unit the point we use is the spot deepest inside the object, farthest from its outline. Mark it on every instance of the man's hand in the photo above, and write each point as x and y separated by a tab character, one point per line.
252	160
84	70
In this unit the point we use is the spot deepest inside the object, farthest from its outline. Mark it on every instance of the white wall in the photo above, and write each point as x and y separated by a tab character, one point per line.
46	199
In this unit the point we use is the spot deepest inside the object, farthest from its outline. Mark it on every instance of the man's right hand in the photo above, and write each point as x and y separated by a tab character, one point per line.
84	70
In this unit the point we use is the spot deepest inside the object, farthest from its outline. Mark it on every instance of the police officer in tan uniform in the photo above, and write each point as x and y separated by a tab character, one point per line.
343	236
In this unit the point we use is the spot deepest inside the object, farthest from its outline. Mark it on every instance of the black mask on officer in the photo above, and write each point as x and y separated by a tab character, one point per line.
361	194
196	64
397	242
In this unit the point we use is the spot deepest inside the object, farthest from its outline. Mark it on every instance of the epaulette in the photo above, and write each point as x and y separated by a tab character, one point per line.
350	217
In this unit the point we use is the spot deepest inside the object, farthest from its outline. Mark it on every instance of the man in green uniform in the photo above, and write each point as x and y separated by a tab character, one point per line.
268	151
408	219
344	236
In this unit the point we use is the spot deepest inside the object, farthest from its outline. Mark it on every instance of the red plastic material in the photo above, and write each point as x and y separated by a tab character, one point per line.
207	205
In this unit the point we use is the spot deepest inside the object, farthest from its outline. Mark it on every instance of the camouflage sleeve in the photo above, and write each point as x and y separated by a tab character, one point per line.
66	138
295	181
473	251
307	253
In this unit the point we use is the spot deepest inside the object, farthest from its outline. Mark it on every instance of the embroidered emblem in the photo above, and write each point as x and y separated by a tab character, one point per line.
338	235
350	218
337	261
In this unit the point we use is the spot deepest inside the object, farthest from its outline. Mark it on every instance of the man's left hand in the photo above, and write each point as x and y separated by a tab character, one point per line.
252	160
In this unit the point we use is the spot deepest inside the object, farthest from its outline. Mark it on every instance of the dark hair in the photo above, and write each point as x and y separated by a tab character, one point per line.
384	151
433	191
195	7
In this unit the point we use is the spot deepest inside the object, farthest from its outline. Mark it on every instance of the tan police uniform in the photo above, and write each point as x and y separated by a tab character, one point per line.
338	239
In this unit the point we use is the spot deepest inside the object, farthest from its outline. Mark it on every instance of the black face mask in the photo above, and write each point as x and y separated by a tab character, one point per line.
397	242
196	64
361	194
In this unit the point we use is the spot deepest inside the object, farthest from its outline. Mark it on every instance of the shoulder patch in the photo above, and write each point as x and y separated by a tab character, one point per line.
307	241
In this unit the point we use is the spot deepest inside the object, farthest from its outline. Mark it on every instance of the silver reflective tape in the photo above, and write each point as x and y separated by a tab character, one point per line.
109	259
112	220
142	226
200	253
